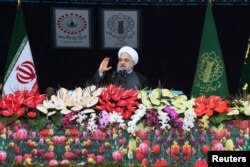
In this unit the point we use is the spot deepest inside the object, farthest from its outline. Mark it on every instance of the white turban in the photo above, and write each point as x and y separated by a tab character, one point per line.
130	51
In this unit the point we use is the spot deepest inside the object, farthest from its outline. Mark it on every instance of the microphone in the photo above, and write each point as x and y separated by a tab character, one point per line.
119	76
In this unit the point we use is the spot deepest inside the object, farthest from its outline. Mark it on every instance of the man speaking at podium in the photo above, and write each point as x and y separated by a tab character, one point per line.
124	75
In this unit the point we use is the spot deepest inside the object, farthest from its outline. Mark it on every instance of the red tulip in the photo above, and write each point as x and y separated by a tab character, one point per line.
45	132
200	163
205	148
27	156
161	163
139	156
48	155
17	149
101	149
69	155
73	132
84	152
145	162
156	149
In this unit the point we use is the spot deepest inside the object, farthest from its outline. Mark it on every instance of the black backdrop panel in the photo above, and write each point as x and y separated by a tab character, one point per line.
169	44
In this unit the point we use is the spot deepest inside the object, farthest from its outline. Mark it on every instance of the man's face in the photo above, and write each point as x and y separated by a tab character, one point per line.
125	62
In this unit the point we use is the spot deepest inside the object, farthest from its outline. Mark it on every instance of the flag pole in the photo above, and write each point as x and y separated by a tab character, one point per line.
18	3
248	48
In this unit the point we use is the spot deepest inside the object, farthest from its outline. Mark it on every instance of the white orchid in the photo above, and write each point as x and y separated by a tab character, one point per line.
115	117
164	119
189	119
92	125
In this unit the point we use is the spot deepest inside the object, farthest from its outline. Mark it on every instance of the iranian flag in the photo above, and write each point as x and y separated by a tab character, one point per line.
20	71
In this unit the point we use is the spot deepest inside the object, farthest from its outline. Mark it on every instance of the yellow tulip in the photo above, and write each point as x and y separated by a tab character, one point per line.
229	145
132	145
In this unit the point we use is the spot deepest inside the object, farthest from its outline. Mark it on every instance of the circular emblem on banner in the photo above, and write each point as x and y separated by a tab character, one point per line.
71	23
210	68
120	24
25	72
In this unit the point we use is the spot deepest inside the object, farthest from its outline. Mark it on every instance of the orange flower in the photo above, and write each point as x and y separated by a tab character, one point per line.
210	105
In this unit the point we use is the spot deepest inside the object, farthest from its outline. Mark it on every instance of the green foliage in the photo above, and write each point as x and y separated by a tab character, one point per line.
8	120
39	122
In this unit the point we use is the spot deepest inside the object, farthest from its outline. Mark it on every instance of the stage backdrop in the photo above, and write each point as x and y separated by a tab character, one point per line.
168	42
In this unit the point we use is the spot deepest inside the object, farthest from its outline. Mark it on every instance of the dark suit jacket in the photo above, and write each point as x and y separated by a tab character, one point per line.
109	78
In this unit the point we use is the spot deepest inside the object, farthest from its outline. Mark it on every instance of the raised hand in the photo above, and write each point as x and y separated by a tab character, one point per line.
104	65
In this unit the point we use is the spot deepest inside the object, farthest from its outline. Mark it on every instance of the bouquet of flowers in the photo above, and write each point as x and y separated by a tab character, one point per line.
213	107
117	99
20	105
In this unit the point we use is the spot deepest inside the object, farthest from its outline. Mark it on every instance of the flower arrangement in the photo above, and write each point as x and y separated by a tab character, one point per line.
20	105
98	108
164	128
119	100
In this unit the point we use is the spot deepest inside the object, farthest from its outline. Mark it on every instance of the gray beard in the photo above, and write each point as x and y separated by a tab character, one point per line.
123	68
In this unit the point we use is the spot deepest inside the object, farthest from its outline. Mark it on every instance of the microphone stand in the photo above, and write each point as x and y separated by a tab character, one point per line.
120	76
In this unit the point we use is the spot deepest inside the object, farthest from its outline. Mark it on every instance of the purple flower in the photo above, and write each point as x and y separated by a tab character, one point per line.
174	116
103	120
66	119
171	112
152	117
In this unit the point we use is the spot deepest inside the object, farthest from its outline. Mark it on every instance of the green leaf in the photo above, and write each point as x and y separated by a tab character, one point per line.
219	118
38	123
8	120
56	119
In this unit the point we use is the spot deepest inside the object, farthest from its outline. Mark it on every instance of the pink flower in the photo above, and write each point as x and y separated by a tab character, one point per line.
144	148
122	141
21	134
64	162
53	162
3	156
99	158
19	159
70	155
217	147
117	156
59	139
99	135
